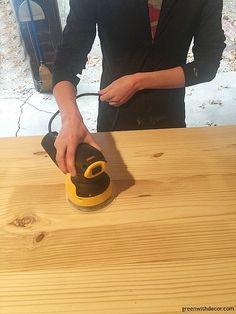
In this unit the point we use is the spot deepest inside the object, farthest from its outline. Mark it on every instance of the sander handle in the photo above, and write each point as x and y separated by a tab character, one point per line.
89	161
48	145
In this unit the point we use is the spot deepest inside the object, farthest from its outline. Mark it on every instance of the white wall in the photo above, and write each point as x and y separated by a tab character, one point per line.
64	10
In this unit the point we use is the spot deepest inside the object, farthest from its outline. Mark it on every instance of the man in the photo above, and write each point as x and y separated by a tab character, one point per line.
144	46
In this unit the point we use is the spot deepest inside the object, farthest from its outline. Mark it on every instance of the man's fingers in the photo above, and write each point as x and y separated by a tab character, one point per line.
89	140
94	144
70	156
106	97
60	159
104	90
70	160
66	145
110	99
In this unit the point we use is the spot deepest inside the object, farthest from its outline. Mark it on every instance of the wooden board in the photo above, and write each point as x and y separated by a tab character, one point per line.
167	241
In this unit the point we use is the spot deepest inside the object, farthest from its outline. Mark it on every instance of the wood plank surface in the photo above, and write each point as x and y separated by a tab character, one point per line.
165	243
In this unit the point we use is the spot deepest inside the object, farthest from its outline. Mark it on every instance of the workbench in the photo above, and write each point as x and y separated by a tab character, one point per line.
166	243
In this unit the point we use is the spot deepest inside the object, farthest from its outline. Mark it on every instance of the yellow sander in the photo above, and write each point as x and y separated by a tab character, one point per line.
91	188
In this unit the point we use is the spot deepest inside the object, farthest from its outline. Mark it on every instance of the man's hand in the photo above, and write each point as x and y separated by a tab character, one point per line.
72	133
119	91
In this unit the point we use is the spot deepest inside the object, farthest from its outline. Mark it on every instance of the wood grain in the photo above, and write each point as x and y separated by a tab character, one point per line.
167	241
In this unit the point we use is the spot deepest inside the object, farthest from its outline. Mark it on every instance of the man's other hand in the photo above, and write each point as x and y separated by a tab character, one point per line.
120	91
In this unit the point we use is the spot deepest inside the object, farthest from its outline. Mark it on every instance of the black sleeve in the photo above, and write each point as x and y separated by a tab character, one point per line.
208	45
78	38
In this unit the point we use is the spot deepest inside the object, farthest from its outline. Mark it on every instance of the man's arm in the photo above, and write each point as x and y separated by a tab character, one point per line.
78	38
71	58
208	47
73	130
121	90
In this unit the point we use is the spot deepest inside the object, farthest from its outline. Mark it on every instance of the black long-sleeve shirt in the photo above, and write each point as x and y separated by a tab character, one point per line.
127	48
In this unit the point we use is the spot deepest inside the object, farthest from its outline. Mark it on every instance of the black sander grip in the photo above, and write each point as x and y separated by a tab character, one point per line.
48	144
86	154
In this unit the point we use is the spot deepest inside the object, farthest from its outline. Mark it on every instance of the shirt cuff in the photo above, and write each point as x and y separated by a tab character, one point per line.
191	74
64	75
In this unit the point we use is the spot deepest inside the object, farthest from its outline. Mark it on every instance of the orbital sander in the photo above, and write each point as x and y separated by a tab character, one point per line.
91	188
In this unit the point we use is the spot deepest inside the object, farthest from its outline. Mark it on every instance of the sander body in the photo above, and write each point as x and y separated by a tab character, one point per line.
91	188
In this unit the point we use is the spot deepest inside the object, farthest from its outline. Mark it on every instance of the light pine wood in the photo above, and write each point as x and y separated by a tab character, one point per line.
167	241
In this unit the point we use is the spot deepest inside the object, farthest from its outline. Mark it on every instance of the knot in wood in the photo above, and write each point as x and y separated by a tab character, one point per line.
40	237
24	222
158	155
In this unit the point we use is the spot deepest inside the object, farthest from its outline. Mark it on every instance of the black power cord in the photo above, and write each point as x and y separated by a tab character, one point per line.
58	111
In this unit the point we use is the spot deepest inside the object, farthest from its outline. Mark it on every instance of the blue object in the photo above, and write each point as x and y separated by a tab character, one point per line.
35	34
